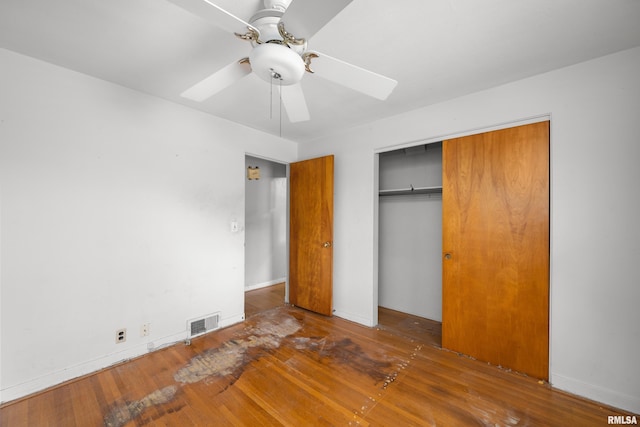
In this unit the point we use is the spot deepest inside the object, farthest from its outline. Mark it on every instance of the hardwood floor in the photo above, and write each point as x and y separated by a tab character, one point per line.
262	299
418	328
289	367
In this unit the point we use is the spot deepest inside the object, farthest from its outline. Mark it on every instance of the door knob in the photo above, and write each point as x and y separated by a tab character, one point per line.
326	245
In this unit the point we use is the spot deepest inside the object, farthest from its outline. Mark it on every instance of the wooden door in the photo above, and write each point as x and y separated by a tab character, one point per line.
311	235
495	209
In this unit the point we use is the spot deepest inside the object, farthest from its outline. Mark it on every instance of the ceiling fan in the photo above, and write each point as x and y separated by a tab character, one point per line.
279	55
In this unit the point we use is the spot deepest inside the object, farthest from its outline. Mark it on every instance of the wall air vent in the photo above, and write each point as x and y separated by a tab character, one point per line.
203	325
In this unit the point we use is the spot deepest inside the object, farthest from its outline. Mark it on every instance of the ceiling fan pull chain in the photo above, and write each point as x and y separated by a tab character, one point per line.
280	113
279	51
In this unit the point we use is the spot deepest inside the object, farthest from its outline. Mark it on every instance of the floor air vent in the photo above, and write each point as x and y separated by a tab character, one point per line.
205	324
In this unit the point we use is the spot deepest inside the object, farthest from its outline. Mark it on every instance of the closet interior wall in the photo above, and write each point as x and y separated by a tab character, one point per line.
410	231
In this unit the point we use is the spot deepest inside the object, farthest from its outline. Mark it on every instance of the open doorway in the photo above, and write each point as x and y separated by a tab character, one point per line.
265	221
410	239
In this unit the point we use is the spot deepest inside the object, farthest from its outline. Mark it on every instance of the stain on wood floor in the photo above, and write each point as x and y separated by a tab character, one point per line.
290	367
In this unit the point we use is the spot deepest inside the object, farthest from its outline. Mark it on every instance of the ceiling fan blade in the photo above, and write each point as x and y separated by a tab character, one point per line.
354	77
304	18
294	103
215	14
217	81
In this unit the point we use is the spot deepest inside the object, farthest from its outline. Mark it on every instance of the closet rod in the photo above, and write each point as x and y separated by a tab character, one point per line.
411	190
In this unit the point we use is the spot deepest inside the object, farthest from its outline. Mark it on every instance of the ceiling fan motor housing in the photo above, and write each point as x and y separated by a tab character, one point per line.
272	61
271	58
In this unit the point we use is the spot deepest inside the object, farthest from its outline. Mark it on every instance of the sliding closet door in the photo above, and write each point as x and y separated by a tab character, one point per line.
496	247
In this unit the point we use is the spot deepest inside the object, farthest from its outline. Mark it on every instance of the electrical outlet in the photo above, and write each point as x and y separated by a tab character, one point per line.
121	336
145	329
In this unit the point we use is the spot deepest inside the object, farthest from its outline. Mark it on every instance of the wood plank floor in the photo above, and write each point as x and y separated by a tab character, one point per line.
262	299
289	367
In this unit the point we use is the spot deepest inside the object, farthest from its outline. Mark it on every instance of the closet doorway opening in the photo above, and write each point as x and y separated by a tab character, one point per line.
477	260
410	238
265	245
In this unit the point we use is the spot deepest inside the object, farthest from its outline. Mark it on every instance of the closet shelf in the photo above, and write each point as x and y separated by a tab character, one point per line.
411	190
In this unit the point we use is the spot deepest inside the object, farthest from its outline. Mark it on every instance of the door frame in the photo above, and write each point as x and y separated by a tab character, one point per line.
430	140
244	213
287	218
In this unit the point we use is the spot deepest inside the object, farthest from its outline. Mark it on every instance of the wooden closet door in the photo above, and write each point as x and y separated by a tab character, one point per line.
495	209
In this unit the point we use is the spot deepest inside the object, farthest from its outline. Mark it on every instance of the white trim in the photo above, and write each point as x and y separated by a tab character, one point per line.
503	125
265	284
269	159
353	318
474	131
599	394
70	373
1	390
54	378
230	321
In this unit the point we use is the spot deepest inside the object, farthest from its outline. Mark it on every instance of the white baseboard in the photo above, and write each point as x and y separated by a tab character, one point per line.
599	394
72	372
354	318
265	284
231	321
58	377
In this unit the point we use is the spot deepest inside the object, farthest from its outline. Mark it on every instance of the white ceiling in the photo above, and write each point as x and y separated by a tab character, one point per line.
435	49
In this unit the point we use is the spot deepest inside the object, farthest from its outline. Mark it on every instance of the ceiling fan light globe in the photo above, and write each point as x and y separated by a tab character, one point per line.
271	61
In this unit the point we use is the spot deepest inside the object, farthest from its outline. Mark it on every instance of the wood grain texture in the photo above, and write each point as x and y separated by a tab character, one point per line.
496	232
413	327
262	299
311	226
299	368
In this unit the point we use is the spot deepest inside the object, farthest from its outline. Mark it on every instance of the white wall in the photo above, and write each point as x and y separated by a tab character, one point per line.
595	238
265	225
1	398
116	211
